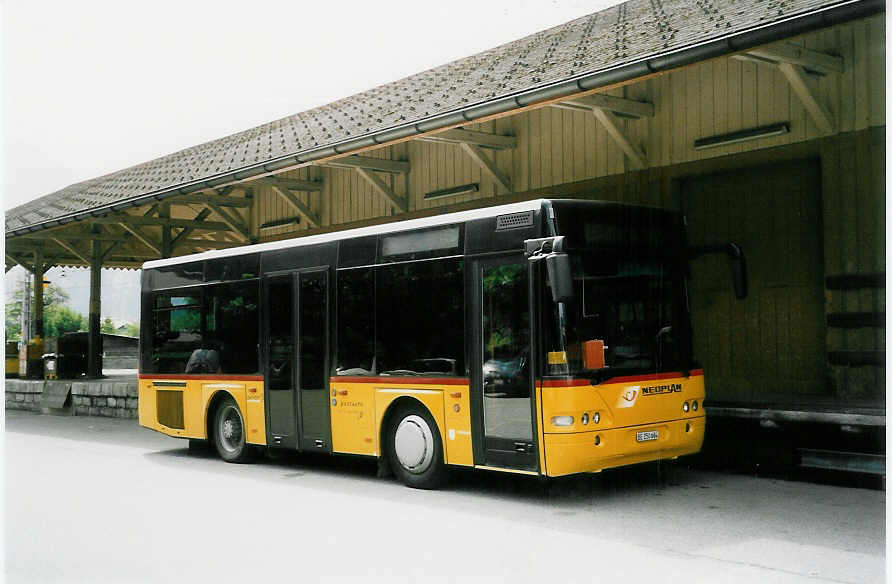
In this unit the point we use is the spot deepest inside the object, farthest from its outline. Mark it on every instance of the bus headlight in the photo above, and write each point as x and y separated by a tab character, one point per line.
562	420
596	417
686	407
694	405
585	418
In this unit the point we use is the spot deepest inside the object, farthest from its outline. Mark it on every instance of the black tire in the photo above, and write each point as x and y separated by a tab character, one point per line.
229	433
419	464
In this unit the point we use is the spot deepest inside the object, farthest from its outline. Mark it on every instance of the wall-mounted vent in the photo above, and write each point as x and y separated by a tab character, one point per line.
514	221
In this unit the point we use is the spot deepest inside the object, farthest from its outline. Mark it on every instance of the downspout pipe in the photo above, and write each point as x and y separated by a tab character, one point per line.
732	43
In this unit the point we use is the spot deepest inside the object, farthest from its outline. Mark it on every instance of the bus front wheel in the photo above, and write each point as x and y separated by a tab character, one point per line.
414	448
229	432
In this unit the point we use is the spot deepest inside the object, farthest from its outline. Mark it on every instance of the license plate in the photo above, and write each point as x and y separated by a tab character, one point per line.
647	436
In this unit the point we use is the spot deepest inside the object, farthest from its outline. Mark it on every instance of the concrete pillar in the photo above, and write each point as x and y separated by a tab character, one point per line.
94	358
38	294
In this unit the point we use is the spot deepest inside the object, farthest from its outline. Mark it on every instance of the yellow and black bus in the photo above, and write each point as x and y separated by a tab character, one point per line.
548	337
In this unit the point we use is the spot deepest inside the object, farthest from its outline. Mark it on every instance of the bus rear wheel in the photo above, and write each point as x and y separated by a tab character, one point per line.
414	449
229	432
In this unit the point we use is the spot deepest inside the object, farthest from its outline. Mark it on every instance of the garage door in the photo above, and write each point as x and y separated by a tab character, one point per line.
770	347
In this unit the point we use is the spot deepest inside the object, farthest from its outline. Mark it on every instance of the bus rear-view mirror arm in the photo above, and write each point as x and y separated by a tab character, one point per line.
736	259
551	249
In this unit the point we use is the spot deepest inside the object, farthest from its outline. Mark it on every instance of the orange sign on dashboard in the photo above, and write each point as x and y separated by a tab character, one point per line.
593	354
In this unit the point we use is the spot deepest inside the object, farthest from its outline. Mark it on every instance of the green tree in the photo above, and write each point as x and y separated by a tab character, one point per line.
60	319
108	327
57	317
133	329
13	321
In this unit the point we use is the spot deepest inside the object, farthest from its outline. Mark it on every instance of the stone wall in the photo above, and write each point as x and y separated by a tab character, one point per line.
106	398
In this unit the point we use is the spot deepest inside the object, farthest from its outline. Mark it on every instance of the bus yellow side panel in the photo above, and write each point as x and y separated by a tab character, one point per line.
180	408
448	406
353	418
249	397
358	409
457	437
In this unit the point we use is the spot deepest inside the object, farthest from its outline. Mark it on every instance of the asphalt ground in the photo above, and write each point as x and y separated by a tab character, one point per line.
102	500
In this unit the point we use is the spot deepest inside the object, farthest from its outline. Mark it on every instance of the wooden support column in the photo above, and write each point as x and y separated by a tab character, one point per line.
94	353
38	294
166	246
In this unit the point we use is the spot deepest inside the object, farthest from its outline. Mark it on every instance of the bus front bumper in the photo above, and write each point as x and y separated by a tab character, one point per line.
593	451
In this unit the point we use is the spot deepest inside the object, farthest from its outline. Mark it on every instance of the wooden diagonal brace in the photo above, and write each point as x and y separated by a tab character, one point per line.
142	237
795	75
110	248
298	205
236	224
611	124
202	215
20	261
488	166
381	187
70	248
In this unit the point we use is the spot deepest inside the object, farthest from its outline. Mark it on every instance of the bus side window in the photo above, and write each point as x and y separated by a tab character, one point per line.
231	325
420	311
176	323
356	325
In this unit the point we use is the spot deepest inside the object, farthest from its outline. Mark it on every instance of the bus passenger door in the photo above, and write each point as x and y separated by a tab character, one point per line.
501	365
313	366
279	356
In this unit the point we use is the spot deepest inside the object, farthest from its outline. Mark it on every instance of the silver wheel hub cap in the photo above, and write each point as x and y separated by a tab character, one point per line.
231	429
414	444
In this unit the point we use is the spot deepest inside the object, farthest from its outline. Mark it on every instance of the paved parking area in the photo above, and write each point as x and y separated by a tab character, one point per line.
93	499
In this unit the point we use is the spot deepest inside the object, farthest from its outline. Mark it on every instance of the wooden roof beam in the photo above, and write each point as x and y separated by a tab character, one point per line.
161	222
239	229
482	139
70	236
486	165
382	188
291	184
369	163
303	209
618	105
789	53
207	244
202	199
611	124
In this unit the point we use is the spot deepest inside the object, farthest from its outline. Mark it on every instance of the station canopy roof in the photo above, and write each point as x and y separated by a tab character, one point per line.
626	34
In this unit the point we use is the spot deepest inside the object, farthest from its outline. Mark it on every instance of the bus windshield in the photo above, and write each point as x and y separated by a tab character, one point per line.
626	317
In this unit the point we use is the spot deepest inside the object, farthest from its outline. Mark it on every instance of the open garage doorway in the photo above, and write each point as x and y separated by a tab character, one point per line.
770	347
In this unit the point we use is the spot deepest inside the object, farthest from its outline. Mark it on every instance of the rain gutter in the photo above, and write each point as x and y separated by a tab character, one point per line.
732	43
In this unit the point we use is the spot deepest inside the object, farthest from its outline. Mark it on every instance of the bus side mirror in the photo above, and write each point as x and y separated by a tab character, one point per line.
558	265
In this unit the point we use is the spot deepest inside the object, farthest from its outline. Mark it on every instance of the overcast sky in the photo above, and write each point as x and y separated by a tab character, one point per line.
91	87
